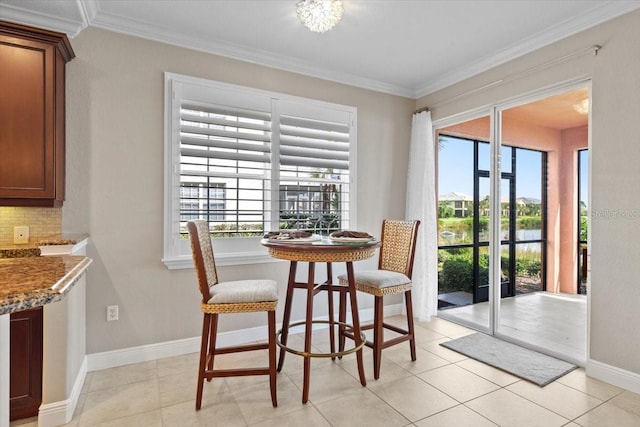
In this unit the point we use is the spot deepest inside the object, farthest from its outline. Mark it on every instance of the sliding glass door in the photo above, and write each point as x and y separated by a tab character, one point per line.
511	214
543	138
463	222
465	218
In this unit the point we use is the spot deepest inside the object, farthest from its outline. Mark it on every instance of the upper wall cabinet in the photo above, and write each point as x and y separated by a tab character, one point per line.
32	117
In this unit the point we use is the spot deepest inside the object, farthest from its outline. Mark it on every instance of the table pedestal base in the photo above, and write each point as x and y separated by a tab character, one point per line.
333	354
312	289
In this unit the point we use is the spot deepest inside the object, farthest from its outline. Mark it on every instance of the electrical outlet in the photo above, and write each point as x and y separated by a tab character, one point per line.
112	313
21	234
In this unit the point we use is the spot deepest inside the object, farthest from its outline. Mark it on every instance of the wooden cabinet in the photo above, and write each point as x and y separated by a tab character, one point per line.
25	384
32	115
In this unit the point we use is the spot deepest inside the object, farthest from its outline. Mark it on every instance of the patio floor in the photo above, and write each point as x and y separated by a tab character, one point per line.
555	324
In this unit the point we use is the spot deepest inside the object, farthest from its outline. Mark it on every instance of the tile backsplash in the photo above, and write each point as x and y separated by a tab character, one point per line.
42	222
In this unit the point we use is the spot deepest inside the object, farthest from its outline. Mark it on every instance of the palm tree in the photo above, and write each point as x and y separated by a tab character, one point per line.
483	206
329	214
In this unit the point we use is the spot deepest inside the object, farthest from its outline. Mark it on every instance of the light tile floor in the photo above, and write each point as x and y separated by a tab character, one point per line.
441	388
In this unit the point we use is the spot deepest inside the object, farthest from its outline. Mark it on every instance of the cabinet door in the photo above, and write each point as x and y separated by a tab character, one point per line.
25	383
27	114
32	115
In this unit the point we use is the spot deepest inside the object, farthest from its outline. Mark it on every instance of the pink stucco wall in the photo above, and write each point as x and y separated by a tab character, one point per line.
573	139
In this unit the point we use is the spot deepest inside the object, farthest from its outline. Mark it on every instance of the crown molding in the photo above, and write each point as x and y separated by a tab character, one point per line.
148	31
607	11
19	15
89	10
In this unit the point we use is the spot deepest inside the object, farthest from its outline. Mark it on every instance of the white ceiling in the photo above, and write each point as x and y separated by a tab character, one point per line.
402	47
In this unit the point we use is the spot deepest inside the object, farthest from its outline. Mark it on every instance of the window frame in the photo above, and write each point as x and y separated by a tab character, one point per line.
235	250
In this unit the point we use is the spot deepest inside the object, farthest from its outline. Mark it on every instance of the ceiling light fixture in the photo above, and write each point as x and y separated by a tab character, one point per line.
319	15
582	107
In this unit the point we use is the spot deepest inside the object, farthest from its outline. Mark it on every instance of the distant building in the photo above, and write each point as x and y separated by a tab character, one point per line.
528	206
461	203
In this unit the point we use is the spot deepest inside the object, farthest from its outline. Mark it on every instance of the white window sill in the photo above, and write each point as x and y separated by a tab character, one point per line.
240	258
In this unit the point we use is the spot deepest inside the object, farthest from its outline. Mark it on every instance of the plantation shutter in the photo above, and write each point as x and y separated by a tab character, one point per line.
314	143
314	163
225	155
223	133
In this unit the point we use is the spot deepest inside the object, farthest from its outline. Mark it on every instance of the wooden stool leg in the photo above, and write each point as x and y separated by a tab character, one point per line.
356	321
271	315
287	311
213	333
204	350
342	317
308	331
410	328
378	335
329	282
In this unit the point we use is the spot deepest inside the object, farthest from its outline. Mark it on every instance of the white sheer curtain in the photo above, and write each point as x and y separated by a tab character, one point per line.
421	204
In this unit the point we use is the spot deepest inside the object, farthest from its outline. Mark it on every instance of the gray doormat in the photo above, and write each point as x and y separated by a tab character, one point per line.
527	364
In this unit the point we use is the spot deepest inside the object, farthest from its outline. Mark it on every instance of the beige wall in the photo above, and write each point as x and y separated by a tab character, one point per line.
115	178
615	167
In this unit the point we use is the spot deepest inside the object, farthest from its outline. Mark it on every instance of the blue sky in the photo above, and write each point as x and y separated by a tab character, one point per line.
584	176
455	169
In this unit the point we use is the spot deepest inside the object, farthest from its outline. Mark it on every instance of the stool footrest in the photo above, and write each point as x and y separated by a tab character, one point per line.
311	354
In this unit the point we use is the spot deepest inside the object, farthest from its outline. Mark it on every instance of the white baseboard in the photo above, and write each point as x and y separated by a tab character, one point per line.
145	353
59	413
612	375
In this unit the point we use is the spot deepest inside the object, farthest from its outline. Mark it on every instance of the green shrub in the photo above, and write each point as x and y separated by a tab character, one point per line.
583	228
443	256
483	262
457	274
460	253
526	265
229	230
483	224
529	223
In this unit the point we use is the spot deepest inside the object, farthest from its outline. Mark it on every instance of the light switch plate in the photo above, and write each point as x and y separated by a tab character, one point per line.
21	234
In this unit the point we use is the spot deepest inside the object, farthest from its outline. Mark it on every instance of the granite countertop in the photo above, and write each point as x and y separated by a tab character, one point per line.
27	283
63	239
19	251
31	249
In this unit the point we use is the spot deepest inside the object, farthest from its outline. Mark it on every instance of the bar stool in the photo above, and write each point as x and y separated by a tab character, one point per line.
241	296
393	276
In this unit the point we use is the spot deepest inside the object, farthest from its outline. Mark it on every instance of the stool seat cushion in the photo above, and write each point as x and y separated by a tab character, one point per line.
378	278
243	291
